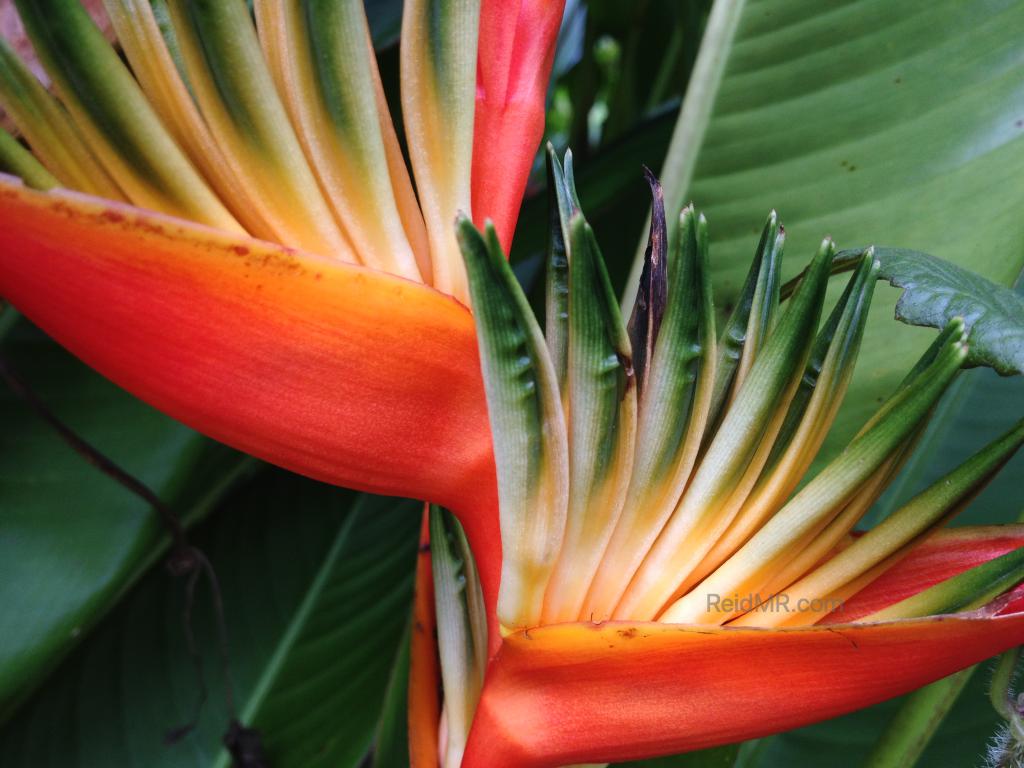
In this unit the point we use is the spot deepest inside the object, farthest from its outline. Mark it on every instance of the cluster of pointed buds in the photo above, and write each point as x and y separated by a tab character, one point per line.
657	470
662	471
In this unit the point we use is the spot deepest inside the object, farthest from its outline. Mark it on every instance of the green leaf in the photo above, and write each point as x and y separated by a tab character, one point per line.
319	695
901	129
935	291
316	602
73	538
391	745
916	722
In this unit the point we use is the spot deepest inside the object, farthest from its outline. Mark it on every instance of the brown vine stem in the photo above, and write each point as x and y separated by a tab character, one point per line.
244	744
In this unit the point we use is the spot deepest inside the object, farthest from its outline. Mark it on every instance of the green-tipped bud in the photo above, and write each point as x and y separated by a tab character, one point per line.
736	455
810	414
673	413
654	497
120	126
752	318
527	427
461	627
602	423
749	571
556	320
882	546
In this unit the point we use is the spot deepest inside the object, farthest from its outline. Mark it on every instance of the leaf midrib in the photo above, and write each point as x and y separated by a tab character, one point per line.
297	624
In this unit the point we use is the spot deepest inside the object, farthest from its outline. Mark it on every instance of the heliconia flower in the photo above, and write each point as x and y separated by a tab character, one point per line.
673	575
226	226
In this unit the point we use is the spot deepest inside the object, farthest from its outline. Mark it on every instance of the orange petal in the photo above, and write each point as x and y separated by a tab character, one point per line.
339	372
516	51
583	693
943	555
424	674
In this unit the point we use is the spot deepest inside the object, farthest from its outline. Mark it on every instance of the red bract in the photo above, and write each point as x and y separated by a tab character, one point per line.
517	41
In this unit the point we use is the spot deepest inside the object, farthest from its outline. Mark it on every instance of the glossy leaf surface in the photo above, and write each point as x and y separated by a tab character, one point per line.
63	563
316	604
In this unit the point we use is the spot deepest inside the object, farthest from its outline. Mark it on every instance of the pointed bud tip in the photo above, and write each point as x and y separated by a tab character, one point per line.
686	217
653	182
869	262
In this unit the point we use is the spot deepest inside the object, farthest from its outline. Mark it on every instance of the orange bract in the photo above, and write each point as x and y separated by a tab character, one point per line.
583	693
336	371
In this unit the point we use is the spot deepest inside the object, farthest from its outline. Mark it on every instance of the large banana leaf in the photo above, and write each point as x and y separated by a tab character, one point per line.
317	594
71	538
875	122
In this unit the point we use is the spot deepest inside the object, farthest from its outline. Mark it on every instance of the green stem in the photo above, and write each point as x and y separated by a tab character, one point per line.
916	721
688	135
1002	682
